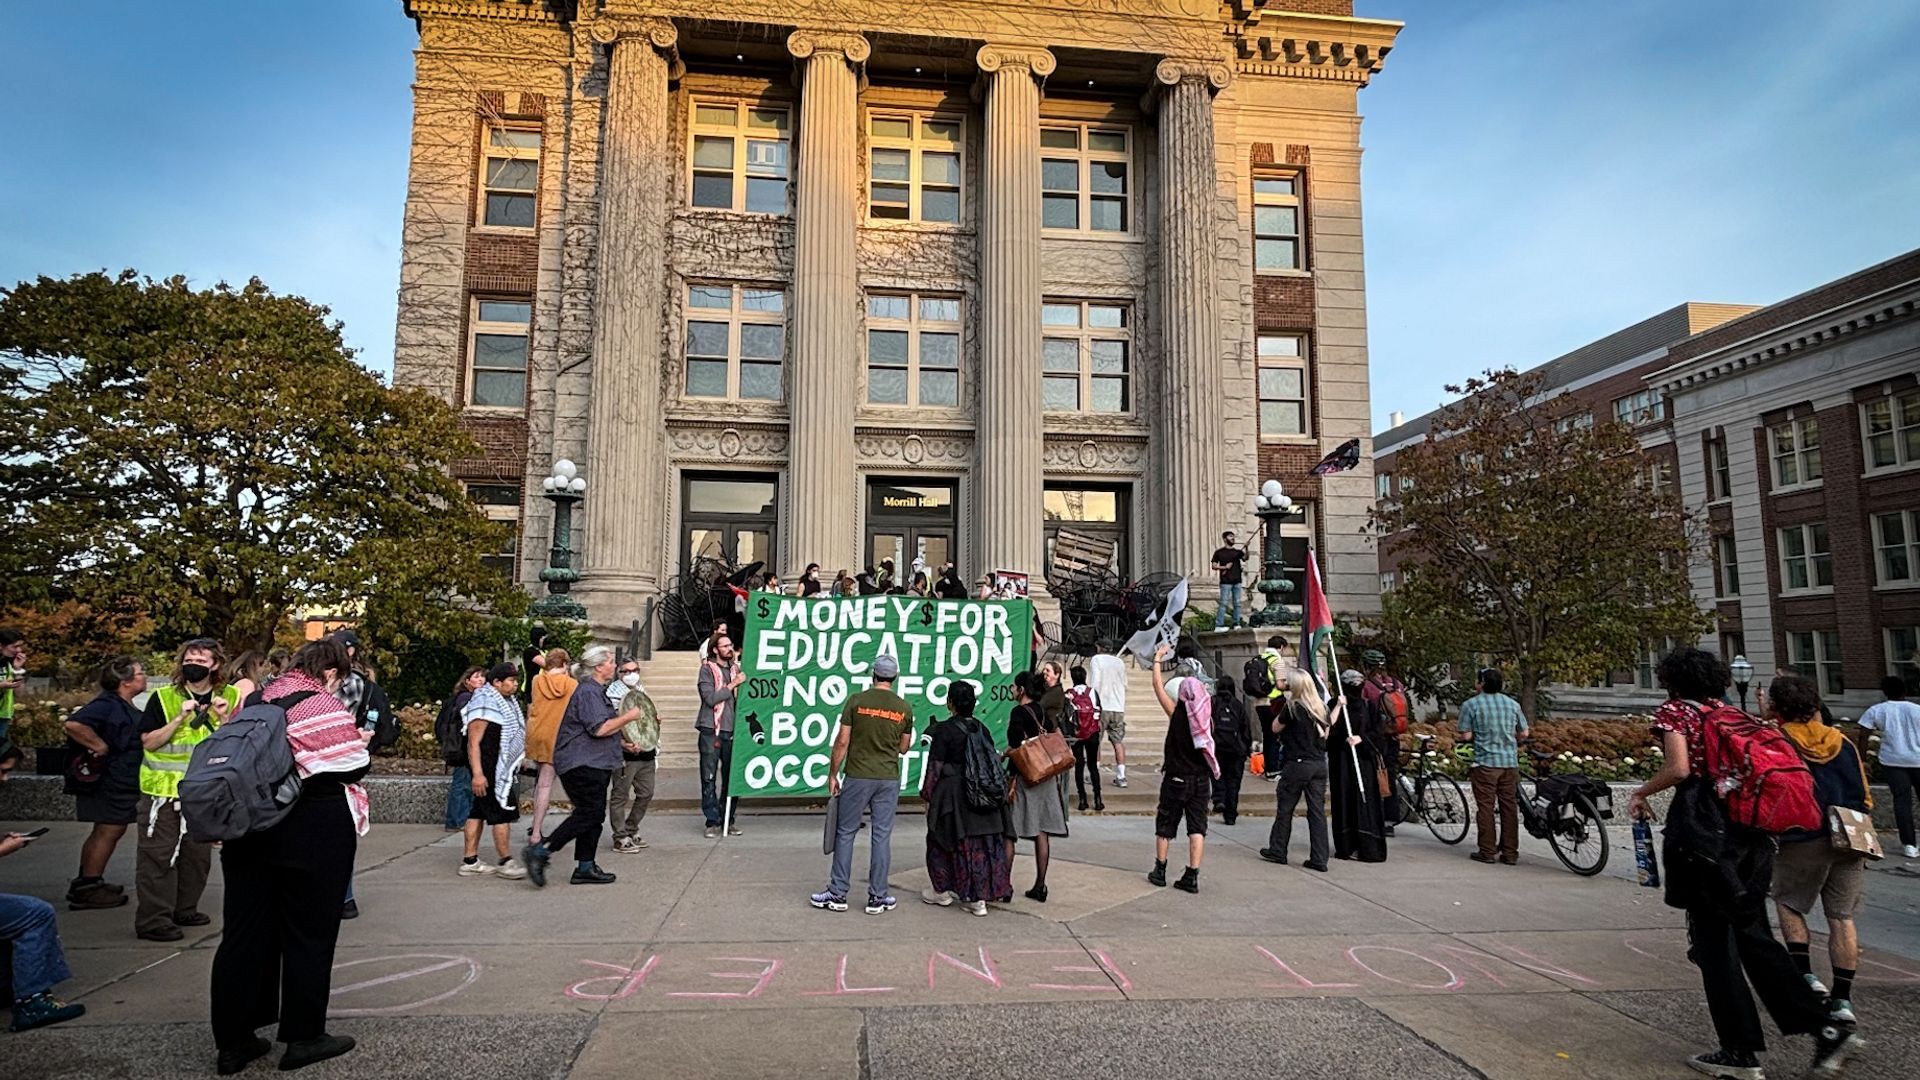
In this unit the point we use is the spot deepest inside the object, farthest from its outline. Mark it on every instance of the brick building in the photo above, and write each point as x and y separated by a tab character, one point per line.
1610	377
816	282
1798	430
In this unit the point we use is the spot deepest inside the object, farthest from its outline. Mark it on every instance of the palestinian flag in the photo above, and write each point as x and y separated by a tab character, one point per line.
1345	456
1316	648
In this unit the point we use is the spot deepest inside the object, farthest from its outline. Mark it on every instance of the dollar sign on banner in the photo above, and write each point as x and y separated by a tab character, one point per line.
926	613
764	609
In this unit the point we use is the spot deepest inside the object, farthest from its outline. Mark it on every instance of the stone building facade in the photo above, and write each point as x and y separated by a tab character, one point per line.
833	280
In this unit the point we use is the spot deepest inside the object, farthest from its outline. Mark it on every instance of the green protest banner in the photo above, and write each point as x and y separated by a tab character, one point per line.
804	658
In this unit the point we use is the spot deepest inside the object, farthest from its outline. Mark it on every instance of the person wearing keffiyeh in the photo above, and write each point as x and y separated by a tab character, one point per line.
1189	768
494	733
284	883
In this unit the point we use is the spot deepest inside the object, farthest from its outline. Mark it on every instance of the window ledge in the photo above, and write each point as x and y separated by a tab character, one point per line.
938	228
1796	489
1724	500
1101	238
505	230
1289	440
1890	470
913	415
1796	594
494	410
1897	586
1257	272
725	212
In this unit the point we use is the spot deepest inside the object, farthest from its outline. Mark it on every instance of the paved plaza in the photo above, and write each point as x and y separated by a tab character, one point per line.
705	960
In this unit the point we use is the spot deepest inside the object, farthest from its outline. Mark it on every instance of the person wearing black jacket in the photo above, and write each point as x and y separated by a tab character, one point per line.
1232	743
1353	778
453	747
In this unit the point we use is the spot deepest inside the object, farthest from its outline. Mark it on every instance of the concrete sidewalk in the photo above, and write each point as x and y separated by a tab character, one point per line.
705	960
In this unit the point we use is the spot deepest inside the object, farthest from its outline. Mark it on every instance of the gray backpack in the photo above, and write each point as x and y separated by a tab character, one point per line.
242	779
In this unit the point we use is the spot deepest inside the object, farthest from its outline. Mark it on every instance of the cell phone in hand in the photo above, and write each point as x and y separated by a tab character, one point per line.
35	834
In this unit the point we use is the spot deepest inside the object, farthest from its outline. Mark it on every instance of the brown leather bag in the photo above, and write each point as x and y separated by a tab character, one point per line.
1042	757
1380	778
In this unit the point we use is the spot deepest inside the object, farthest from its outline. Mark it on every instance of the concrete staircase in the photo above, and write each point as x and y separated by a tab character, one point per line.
672	680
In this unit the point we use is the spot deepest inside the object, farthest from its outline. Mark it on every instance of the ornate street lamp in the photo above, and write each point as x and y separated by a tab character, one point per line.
1742	675
1270	506
564	488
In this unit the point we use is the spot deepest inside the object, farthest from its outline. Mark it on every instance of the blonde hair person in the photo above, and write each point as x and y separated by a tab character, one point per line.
1302	725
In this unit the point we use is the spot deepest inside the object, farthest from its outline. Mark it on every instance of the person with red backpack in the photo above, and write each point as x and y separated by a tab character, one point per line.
1734	794
1389	697
1082	723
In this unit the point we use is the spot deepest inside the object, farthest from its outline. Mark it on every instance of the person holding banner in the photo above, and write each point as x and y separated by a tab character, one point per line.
969	851
1039	810
720	678
876	728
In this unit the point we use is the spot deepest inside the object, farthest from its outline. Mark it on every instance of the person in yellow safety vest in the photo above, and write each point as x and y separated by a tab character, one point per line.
170	869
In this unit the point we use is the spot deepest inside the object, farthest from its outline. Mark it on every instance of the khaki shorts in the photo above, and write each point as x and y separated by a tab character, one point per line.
1812	870
1115	725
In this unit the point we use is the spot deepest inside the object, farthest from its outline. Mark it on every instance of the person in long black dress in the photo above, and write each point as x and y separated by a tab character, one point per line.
1359	817
969	858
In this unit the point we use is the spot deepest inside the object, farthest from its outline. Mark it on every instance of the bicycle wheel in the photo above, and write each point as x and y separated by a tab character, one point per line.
1581	840
1443	806
1402	812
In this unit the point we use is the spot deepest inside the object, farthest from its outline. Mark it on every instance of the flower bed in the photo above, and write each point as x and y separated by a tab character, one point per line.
1618	749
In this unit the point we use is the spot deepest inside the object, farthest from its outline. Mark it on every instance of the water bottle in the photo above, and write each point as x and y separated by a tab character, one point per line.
1643	856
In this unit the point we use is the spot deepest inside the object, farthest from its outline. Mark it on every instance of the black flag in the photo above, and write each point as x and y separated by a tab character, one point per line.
1345	456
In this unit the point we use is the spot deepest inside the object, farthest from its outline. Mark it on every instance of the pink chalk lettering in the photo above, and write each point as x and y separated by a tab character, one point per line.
1106	985
1454	982
1475	958
1113	971
1633	946
841	988
985	972
623	982
1543	967
1300	981
761	979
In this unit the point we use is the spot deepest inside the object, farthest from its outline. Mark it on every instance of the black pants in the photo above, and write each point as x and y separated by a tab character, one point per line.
587	789
1226	790
1269	740
1307	778
1086	759
282	911
1733	952
1903	781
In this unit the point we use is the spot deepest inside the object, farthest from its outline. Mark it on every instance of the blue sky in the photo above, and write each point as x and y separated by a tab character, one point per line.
1539	172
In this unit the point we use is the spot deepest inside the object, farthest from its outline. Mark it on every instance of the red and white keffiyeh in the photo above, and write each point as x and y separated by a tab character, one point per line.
324	738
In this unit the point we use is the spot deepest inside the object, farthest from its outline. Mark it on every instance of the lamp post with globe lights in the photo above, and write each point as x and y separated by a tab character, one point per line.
563	488
1270	505
1742	671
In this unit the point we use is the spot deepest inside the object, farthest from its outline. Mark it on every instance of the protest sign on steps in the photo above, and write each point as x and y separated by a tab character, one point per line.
804	658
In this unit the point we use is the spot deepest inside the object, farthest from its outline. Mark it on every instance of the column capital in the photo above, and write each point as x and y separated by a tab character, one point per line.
804	43
992	58
1174	70
661	33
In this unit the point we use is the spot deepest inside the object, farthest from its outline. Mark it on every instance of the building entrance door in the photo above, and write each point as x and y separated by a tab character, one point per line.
731	517
910	525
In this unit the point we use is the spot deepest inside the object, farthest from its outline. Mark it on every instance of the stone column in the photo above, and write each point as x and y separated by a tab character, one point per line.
626	458
1195	502
1009	440
820	492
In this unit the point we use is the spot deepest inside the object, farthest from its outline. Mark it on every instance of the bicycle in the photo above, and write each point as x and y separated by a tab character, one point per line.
1433	797
1570	814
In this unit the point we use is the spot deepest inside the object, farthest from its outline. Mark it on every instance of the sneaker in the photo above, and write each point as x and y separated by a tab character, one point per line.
1273	856
880	905
1119	781
95	897
640	843
477	869
535	856
193	918
1911	851
735	830
938	899
1728	1064
350	910
41	1010
1831	1048
712	831
591	875
306	1052
511	869
1840	1011
626	846
1483	857
977	908
826	901
1818	986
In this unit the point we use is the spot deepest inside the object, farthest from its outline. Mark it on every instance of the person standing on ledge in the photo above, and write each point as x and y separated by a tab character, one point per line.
1226	562
876	727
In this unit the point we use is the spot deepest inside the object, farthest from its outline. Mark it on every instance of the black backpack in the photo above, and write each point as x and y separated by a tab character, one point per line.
242	778
446	731
986	774
1256	678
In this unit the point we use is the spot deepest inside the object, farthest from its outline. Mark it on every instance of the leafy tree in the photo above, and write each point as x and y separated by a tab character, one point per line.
216	459
1534	543
68	640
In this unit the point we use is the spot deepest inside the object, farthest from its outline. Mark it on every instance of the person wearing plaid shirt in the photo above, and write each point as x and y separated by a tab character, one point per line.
1494	724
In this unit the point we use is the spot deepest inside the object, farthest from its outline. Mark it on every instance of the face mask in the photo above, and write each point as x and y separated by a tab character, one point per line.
631	678
196	672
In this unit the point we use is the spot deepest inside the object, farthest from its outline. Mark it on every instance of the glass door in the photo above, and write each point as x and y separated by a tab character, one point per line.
910	527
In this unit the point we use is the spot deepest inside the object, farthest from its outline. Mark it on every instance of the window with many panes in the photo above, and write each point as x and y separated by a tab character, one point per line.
1642	408
1796	452
1893	431
741	157
736	340
509	178
500	503
1903	655
1282	384
1719	470
1085	178
1576	422
1388	579
1277	217
1805	561
1084	361
1896	542
1816	654
497	353
913	350
1726	565
1383	486
914	167
1657	478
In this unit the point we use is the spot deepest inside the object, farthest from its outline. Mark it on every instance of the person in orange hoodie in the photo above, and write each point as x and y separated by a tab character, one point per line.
551	689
